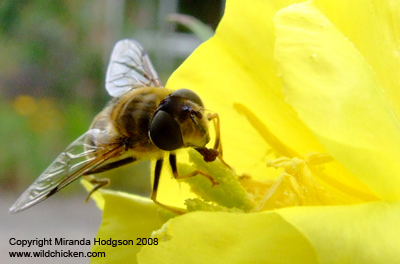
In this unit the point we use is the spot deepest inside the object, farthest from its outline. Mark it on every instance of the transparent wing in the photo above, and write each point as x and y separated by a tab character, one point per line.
129	68
79	158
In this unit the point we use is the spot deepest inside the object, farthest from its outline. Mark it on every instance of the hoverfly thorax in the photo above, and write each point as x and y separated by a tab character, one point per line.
179	122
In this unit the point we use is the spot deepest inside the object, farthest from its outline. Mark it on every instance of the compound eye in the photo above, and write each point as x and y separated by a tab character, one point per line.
165	132
188	94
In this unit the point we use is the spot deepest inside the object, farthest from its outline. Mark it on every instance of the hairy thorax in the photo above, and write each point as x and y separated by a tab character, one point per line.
127	119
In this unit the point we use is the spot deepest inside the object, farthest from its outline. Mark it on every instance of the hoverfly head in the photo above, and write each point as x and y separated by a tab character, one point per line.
179	122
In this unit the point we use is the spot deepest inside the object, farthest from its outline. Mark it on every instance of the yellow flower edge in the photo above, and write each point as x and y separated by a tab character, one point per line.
365	233
125	217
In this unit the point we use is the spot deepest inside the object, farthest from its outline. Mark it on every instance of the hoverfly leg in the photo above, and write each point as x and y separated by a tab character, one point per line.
217	143
157	174
172	162
98	183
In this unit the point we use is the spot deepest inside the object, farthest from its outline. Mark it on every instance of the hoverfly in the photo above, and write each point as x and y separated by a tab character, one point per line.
142	121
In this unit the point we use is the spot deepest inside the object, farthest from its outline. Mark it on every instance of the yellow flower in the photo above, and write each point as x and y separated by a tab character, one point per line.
311	90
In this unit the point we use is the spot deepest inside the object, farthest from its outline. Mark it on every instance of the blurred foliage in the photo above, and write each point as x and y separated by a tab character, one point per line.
201	30
49	82
53	61
33	131
47	49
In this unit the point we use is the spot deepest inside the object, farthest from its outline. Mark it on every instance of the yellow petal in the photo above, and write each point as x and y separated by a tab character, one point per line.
126	217
374	29
366	233
336	93
202	237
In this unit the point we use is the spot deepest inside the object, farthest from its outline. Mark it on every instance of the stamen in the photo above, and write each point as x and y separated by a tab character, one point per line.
310	159
265	133
295	187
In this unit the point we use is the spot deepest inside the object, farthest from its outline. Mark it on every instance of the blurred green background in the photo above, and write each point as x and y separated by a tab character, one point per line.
53	58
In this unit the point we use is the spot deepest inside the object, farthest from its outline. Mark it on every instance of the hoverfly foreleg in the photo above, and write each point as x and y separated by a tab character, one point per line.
217	143
157	174
98	183
172	162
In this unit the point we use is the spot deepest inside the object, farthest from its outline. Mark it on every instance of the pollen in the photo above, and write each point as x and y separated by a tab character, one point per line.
296	185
